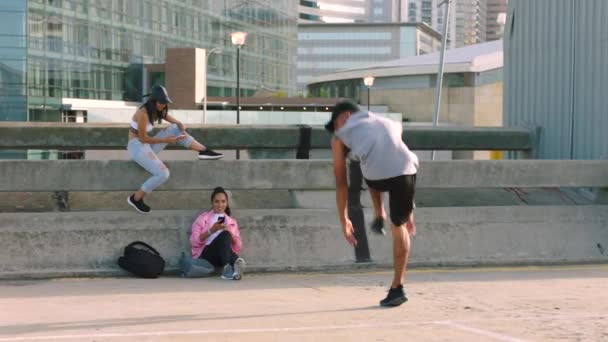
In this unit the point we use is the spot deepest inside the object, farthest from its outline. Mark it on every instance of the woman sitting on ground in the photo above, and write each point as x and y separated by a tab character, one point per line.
216	237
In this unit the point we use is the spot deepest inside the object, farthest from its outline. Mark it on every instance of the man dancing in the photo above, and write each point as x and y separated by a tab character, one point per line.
387	165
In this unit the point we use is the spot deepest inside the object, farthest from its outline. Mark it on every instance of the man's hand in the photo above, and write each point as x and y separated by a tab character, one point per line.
349	231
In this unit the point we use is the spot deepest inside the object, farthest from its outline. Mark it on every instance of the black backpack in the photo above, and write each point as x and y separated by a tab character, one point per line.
143	262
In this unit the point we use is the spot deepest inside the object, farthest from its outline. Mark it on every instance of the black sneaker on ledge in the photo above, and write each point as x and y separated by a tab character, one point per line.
396	296
138	205
378	226
209	155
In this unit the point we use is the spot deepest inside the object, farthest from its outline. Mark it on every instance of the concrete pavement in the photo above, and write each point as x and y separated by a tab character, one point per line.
497	304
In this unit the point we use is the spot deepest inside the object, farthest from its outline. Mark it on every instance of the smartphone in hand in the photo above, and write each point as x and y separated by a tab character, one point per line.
221	219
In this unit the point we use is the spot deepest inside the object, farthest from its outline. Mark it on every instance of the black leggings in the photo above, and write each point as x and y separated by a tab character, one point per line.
219	252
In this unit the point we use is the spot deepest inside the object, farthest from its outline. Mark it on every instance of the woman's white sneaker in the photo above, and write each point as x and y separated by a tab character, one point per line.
239	267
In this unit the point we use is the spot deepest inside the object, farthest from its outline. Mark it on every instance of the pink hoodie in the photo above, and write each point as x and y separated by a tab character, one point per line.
203	223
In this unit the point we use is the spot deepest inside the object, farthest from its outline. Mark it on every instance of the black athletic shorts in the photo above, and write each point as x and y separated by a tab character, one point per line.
401	190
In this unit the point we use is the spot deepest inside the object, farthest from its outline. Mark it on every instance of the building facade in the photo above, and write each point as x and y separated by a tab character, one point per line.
326	48
99	49
497	10
470	22
473	77
467	22
472	88
386	11
333	11
555	75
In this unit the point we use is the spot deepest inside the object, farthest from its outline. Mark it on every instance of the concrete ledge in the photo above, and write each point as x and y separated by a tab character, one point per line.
509	235
116	175
287	199
89	243
46	135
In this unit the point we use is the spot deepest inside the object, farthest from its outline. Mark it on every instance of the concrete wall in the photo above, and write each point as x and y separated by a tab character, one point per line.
86	243
488	105
473	106
468	106
38	135
488	110
505	235
415	104
70	175
279	238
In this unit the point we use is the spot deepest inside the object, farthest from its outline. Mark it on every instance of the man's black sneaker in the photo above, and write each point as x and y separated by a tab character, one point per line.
395	297
138	205
378	226
209	155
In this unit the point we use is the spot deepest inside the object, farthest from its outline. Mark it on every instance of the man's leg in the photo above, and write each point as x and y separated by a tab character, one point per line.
401	250
401	253
402	213
401	207
377	197
378	202
410	225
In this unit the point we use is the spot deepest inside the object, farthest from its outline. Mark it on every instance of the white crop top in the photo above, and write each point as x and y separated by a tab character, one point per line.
149	127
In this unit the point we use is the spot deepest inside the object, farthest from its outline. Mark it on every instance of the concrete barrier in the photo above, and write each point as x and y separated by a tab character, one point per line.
69	136
505	235
116	175
288	199
89	243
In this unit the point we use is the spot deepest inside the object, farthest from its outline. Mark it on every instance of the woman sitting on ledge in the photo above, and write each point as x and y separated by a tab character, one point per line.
143	148
216	237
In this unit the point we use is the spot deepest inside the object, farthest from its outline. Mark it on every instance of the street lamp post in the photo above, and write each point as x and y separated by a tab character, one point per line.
369	82
214	50
238	39
444	40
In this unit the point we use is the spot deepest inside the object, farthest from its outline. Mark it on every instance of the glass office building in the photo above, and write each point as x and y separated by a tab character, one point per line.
327	48
99	49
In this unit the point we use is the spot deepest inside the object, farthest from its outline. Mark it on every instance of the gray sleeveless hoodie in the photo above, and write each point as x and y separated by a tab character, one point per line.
376	142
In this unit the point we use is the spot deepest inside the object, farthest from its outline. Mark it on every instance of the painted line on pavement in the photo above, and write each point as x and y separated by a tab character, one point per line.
215	331
486	333
452	324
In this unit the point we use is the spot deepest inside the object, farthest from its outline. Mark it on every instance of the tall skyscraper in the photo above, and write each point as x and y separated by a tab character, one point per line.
470	22
385	11
326	48
494	28
467	24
